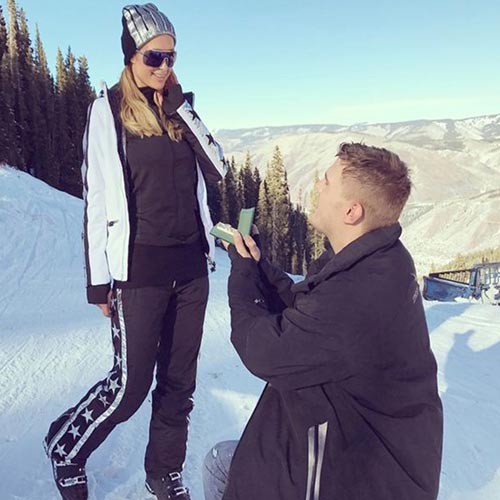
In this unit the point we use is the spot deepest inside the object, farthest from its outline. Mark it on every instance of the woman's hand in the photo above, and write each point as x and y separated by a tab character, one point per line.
106	308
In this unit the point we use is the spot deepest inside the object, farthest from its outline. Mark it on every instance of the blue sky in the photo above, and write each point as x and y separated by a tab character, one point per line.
280	62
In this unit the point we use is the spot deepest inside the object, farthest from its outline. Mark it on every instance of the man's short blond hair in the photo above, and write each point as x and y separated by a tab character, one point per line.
381	181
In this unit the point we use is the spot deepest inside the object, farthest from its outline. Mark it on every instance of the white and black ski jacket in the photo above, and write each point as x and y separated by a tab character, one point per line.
106	231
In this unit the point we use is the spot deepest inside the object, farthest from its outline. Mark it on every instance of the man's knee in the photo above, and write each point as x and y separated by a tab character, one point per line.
220	456
216	469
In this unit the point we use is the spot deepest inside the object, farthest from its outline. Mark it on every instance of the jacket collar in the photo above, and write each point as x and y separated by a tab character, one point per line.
357	250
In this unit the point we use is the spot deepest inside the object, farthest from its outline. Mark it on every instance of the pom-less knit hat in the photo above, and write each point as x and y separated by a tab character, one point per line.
142	23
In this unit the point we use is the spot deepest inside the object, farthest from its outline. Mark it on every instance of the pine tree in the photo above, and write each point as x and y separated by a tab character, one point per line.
70	169
9	151
13	30
249	191
73	96
231	204
256	183
301	246
214	195
316	238
41	63
6	115
3	34
60	72
61	144
85	91
15	96
263	218
45	86
280	212
32	131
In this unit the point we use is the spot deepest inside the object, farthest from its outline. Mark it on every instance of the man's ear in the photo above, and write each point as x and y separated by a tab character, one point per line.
355	214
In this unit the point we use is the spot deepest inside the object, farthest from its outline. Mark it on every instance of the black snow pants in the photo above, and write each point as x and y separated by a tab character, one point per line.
151	326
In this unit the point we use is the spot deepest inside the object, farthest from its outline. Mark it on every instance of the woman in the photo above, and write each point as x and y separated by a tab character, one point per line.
146	235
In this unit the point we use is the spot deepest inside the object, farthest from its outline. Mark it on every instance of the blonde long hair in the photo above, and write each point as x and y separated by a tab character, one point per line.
136	114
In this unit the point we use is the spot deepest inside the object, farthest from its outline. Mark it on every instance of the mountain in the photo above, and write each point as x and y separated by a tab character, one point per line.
454	165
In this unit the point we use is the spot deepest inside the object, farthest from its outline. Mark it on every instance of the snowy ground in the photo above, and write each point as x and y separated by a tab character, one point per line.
53	346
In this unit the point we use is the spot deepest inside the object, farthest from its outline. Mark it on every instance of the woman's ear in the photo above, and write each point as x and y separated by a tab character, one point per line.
133	59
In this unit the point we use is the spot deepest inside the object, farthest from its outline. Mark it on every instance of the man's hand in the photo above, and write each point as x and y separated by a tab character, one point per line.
245	246
106	308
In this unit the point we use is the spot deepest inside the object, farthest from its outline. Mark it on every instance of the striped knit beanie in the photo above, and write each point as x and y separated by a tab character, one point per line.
142	23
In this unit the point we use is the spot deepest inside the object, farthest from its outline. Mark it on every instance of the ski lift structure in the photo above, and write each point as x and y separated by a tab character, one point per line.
480	282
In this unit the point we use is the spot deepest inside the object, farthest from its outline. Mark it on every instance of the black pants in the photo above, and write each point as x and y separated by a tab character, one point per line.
151	326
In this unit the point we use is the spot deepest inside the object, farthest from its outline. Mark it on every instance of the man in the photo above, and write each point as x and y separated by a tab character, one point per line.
351	409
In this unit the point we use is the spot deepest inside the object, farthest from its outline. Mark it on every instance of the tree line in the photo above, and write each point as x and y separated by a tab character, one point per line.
42	122
42	118
468	260
287	238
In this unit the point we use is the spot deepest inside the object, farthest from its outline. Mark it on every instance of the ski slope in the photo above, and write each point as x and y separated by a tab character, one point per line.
53	346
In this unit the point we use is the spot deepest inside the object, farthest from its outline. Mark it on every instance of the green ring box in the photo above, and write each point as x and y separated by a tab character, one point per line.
225	231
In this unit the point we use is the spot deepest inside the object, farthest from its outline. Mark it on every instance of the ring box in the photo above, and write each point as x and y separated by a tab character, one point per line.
225	231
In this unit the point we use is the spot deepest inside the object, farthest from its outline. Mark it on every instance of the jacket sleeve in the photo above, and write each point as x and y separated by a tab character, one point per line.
298	348
94	219
278	284
208	151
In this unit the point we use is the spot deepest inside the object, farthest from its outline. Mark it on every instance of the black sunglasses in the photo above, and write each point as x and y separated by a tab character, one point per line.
155	58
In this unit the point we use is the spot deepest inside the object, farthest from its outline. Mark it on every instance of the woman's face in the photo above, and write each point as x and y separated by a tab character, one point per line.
148	76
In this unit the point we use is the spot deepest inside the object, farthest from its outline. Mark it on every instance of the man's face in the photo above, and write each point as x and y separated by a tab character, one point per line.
328	218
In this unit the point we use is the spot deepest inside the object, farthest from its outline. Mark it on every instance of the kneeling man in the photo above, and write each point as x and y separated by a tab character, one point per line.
351	409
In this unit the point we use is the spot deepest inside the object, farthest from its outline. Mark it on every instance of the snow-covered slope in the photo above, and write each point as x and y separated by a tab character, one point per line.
53	346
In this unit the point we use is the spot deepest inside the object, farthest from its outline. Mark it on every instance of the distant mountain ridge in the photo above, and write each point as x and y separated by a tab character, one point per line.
485	128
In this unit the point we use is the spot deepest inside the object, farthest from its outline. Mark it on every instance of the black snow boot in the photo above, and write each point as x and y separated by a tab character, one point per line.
169	487
71	480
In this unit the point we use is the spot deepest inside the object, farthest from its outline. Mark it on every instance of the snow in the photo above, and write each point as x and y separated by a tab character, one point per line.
53	346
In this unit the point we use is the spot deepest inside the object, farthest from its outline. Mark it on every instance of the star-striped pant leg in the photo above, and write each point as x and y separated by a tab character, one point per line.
136	322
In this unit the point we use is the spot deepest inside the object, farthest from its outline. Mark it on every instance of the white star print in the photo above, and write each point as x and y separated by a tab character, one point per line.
110	374
97	391
114	385
74	431
60	450
103	400
116	332
118	360
87	415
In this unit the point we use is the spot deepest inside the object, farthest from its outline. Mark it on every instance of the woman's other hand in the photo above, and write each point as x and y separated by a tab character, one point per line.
106	308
